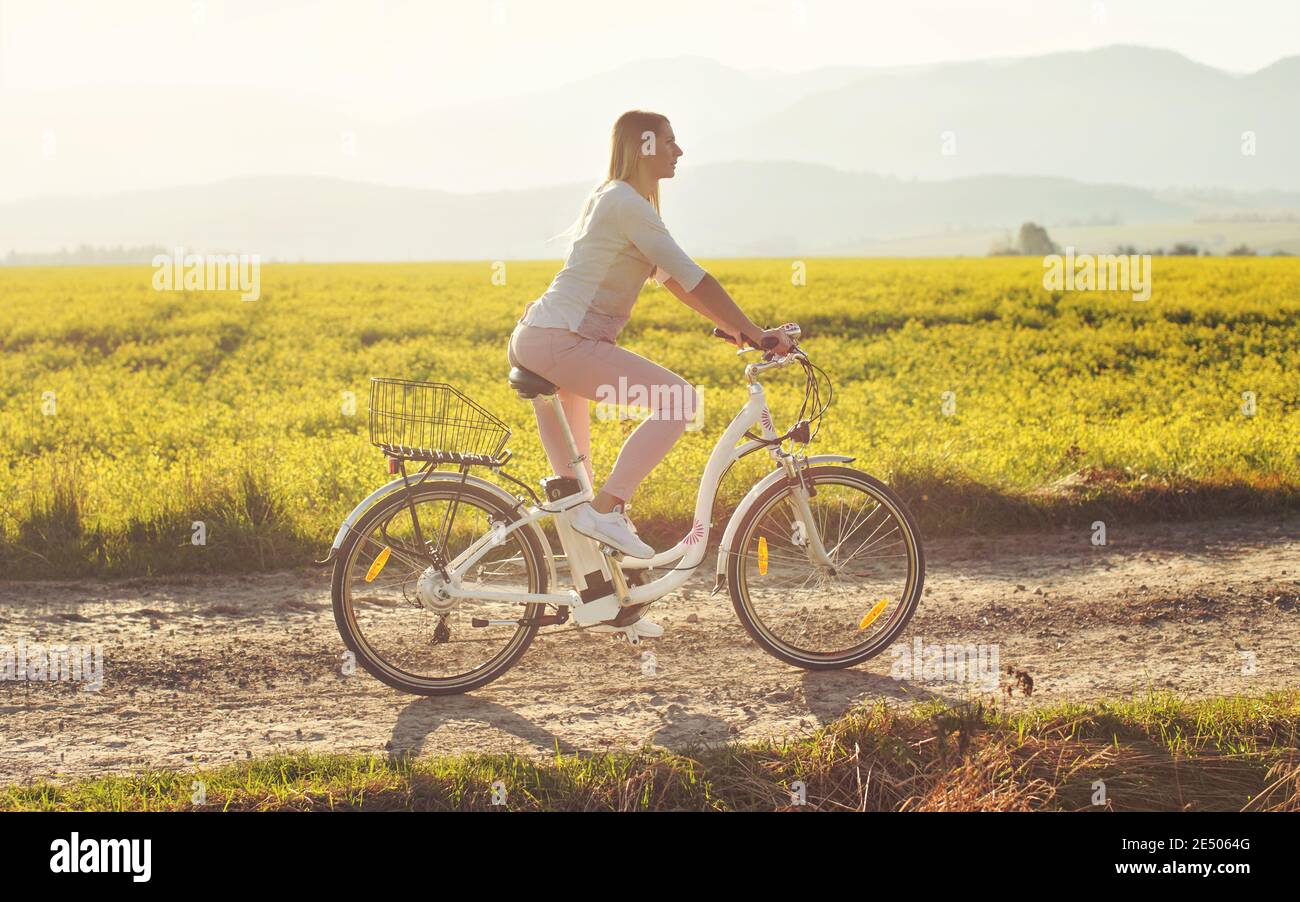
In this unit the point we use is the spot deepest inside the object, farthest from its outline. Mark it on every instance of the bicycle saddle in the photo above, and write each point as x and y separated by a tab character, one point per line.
528	384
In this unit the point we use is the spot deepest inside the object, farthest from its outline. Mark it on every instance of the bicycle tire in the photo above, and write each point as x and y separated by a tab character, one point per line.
394	676
737	582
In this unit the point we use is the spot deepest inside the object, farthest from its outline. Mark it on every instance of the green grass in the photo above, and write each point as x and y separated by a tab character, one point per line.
177	408
1154	753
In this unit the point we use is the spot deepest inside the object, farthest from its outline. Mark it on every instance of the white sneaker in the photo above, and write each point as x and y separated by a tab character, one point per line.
645	628
613	528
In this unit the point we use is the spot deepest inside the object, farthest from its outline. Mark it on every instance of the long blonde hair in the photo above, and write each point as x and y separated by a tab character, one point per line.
626	146
625	149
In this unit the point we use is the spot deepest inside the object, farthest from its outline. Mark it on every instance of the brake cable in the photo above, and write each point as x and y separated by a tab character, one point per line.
802	431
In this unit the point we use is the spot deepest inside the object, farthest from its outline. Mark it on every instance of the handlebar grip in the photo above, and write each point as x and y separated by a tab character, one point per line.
769	341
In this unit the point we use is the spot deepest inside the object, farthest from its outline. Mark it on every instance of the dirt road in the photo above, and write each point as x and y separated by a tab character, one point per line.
208	670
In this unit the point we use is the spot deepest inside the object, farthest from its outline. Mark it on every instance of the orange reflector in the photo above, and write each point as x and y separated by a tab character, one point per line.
874	613
380	560
762	554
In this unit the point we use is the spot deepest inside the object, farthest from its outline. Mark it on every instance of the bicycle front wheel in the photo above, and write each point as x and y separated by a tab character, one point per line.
826	612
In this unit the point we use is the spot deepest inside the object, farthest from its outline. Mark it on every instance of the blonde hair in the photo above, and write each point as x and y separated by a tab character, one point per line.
625	150
631	132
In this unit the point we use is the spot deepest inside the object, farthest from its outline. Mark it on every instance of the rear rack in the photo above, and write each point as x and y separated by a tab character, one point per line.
435	423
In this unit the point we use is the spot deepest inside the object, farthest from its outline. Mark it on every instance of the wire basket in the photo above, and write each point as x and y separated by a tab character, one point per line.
432	421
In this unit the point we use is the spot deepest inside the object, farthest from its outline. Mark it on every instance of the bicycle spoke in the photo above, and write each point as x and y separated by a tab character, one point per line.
396	551
844	537
877	556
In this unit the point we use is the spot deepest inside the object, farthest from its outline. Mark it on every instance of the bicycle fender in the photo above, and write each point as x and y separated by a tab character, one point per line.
724	545
444	476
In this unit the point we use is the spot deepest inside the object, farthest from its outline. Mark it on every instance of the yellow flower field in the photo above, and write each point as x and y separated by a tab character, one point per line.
128	414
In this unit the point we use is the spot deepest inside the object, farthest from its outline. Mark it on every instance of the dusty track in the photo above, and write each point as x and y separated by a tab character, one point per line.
208	670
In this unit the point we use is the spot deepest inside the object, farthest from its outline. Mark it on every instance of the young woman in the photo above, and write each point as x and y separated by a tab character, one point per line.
567	336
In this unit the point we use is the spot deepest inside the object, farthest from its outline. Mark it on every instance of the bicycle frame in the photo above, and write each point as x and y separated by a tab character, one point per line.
688	553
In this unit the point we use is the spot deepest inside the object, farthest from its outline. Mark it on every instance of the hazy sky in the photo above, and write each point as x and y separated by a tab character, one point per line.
388	57
100	96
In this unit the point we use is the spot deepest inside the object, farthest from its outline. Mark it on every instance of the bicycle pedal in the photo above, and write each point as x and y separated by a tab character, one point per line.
625	631
630	614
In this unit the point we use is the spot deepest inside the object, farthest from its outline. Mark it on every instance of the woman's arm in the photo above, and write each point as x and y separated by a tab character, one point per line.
710	300
642	226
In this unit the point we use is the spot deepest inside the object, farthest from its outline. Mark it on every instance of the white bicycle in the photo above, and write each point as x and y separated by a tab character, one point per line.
442	578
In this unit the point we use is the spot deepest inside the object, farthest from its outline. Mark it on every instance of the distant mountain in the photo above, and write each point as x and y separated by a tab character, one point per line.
1123	115
733	209
562	135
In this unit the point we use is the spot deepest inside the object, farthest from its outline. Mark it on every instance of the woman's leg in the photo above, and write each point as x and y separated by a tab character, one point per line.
601	371
606	373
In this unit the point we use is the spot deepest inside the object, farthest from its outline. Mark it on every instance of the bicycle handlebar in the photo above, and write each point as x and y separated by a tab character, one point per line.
768	341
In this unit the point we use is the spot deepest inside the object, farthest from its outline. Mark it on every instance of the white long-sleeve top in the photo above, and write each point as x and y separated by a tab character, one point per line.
621	242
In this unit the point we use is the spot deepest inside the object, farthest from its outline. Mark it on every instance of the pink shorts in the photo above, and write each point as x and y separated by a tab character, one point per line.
584	369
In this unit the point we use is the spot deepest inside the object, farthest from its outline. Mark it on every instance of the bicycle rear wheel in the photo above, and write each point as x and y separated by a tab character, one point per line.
422	644
818	616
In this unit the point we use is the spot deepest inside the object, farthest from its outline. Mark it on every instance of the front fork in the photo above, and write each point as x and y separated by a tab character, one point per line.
800	492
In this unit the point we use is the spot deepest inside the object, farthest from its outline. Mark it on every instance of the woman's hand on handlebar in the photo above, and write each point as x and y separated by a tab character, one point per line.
773	341
783	344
